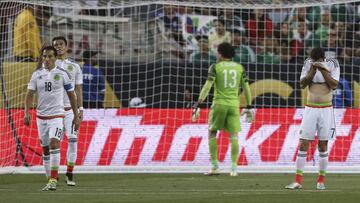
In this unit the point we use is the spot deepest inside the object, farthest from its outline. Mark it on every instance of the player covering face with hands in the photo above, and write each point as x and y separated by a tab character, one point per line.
49	82
321	76
228	78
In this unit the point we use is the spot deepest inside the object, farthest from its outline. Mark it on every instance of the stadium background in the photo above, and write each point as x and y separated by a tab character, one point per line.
145	51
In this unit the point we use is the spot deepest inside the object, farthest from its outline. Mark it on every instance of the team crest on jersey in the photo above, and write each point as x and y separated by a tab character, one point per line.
70	68
57	77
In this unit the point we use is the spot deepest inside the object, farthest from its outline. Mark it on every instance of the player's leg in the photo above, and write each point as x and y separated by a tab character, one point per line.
71	154
216	122
307	134
213	149
43	131
326	132
55	133
232	125
323	163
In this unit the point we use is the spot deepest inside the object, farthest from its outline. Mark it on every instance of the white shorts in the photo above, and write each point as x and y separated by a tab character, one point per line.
320	121
69	117
49	128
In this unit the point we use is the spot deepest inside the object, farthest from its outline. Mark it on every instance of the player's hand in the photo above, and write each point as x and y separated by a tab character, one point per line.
320	66
27	119
75	124
249	113
195	112
81	115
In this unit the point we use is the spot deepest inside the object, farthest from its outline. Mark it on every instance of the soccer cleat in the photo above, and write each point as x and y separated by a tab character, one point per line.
294	186
213	172
70	179
233	173
51	185
320	186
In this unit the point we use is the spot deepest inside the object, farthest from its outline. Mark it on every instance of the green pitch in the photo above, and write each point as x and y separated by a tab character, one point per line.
175	188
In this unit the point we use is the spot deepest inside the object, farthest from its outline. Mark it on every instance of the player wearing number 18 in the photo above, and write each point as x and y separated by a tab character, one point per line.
228	78
49	83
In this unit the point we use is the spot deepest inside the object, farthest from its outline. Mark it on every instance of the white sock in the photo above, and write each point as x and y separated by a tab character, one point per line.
54	162
323	162
300	162
72	151
46	162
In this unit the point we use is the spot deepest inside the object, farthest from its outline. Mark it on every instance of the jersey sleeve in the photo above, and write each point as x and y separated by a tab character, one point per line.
244	79
78	76
335	69
212	73
305	69
67	83
32	82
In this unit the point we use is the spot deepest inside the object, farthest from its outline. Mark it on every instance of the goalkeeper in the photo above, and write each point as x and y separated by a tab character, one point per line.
228	78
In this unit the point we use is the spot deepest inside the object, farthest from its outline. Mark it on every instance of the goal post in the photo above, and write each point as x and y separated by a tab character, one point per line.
155	57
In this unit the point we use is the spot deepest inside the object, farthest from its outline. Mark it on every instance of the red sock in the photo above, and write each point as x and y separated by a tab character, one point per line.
298	178
321	179
70	169
54	174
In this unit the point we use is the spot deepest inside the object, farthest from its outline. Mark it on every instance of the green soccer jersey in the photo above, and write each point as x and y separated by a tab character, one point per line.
228	77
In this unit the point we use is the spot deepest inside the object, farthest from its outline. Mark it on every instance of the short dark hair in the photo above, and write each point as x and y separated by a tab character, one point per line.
226	50
59	38
49	48
317	53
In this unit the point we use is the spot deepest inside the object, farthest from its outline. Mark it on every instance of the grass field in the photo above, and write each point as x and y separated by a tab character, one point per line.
174	188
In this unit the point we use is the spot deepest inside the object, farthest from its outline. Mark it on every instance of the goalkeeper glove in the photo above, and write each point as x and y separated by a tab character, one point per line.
196	112
249	114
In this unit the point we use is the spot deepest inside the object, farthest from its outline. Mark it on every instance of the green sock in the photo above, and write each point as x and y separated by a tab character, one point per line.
213	148
234	151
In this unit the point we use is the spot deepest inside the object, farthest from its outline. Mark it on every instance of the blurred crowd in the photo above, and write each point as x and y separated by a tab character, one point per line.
275	36
268	36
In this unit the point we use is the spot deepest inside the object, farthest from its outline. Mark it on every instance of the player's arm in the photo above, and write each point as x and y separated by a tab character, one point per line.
28	102
331	78
204	92
307	74
79	99
79	91
31	89
246	88
73	101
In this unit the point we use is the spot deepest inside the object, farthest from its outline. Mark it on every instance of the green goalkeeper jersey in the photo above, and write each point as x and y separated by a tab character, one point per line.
228	77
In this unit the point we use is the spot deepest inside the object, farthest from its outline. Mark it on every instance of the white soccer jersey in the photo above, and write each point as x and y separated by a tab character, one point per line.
50	87
331	64
75	75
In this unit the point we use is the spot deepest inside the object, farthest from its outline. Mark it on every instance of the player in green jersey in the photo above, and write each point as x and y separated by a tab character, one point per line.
228	78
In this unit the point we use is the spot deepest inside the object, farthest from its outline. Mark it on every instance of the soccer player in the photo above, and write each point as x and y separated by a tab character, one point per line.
228	78
321	76
75	72
49	83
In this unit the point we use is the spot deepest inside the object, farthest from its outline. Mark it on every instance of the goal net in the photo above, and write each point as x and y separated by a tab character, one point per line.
154	57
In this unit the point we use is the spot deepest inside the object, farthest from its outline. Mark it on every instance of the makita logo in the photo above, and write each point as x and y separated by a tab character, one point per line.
166	137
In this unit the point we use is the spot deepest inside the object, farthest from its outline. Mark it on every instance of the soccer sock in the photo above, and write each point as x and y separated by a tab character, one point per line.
234	151
213	148
46	162
300	164
71	154
323	162
54	162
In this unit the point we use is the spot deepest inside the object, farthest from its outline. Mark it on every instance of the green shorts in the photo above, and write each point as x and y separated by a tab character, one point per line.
224	117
